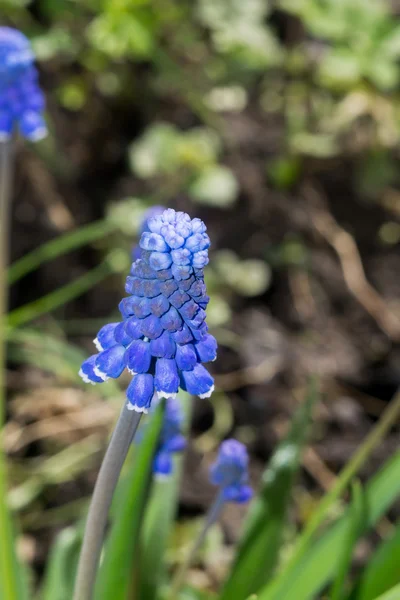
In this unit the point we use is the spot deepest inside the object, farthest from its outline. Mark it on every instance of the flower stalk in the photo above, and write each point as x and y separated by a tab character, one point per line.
106	483
209	520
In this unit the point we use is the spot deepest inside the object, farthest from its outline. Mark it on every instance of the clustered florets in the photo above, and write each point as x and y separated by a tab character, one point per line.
163	338
21	99
230	472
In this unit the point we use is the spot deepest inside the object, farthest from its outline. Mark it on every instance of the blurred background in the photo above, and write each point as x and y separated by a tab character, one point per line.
278	123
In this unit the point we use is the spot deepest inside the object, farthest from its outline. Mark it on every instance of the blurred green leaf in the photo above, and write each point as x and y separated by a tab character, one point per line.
382	570
320	562
259	547
357	516
216	186
60	245
393	594
158	522
118	569
61	566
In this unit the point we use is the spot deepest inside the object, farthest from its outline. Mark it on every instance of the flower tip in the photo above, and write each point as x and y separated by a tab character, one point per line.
100	374
85	378
207	394
161	394
138	409
96	342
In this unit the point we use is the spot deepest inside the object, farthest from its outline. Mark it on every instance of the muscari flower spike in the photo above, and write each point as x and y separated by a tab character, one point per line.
21	99
230	472
171	439
163	337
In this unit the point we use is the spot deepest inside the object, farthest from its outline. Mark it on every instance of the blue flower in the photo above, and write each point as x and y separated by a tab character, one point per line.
230	472
163	337
171	439
21	99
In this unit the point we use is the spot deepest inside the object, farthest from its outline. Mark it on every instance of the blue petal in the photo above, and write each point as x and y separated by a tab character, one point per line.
6	125
193	242
138	357
163	464
198	226
164	346
142	270
198	382
141	307
133	327
201	332
153	242
200	259
151	288
183	336
160	261
134	286
179	298
159	305
166	380
186	282
181	257
185	357
180	272
168	287
87	371
189	310
171	320
175	444
239	494
197	320
110	363
198	288
33	126
140	392
121	335
152	327
207	348
105	338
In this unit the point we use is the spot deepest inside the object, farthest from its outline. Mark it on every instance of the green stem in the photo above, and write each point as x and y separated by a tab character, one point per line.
211	517
61	245
372	440
114	459
28	312
8	583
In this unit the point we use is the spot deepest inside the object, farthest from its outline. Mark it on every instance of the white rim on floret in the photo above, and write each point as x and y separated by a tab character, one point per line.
207	394
100	374
138	409
85	377
99	347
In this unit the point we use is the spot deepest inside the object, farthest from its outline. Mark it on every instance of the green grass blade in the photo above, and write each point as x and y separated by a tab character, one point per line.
116	571
382	571
158	522
259	548
357	517
33	310
308	535
320	563
61	245
393	594
13	580
61	567
54	355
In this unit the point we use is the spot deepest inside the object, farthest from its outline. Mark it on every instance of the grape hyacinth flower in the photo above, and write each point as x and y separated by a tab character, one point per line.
171	439
21	99
230	472
163	337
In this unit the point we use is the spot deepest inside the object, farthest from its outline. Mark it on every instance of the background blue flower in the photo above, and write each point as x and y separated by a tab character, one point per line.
21	99
230	472
163	338
171	439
